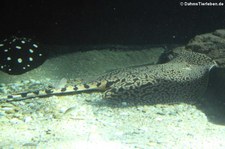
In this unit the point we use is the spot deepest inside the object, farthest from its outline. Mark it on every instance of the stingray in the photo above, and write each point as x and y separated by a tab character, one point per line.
182	77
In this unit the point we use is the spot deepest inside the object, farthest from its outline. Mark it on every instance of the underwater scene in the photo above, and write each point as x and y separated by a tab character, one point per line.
101	75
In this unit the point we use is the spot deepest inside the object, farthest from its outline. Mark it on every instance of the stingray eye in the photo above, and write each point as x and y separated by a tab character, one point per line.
19	55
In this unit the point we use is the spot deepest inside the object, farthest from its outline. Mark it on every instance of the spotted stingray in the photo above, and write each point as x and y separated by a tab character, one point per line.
19	55
183	78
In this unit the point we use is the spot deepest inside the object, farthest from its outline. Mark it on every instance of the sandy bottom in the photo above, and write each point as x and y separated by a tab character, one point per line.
86	121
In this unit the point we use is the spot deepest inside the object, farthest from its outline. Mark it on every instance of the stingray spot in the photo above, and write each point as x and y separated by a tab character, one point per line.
30	59
63	89
75	88
9	96
98	84
31	51
9	58
48	91
36	92
20	60
34	45
18	47
86	86
23	94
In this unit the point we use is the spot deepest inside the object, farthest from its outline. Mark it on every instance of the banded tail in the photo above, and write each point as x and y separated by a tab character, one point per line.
99	86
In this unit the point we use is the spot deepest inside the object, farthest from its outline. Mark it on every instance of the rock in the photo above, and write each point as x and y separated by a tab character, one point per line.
211	44
27	119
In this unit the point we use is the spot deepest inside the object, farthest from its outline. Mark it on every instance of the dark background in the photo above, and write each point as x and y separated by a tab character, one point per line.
108	21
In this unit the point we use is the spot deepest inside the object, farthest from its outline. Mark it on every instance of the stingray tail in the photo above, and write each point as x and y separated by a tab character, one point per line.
98	86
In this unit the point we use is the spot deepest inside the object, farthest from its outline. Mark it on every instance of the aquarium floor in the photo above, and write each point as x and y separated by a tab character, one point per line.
86	121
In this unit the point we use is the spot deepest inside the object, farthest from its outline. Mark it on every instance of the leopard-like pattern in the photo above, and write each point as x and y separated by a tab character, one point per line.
185	77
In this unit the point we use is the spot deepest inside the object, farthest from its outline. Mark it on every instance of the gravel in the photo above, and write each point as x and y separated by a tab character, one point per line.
87	121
